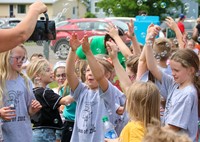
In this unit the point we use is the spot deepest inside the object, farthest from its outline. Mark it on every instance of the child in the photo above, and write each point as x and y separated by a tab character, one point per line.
48	119
180	89
94	98
143	103
16	93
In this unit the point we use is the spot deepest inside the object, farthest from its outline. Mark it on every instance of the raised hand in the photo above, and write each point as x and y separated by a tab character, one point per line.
112	30
74	42
6	113
38	6
112	49
130	32
85	44
152	32
171	23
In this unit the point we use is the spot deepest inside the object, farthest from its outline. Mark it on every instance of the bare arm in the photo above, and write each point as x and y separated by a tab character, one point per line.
70	63
121	73
152	31
172	127
172	24
10	38
66	100
95	67
130	34
113	32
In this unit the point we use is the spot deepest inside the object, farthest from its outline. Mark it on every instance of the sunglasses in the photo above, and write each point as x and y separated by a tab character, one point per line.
61	75
20	59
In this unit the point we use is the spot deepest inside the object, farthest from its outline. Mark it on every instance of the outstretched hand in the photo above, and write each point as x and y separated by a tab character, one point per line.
74	42
130	31
85	44
152	32
112	49
38	6
112	30
171	23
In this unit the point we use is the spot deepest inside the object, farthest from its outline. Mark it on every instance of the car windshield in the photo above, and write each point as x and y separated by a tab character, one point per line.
62	23
120	24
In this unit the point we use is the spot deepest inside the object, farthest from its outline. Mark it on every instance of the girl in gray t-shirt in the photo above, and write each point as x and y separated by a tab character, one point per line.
17	95
181	89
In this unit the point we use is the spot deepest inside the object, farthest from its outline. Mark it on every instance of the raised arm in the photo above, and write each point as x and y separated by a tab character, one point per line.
152	31
113	32
173	25
130	34
96	68
121	73
10	38
70	62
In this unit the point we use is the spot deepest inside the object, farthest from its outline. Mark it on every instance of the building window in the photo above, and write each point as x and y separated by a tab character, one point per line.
74	10
21	9
96	8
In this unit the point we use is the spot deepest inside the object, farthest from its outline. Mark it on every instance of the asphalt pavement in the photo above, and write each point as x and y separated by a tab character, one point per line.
33	48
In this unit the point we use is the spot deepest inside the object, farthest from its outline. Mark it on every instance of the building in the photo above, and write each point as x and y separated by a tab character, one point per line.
57	9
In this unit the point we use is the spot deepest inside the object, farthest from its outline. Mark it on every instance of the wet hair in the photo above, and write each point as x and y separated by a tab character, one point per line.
143	102
132	63
188	58
156	133
162	49
105	61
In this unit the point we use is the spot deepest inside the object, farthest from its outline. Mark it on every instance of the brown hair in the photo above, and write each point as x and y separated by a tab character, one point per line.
162	48
143	102
132	63
188	58
155	133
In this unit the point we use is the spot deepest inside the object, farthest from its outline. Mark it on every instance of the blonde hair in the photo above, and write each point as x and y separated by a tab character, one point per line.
132	63
162	48
5	69
80	67
143	102
155	133
35	67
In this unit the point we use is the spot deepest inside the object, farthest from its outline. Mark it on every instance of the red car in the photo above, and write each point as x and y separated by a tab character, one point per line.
91	26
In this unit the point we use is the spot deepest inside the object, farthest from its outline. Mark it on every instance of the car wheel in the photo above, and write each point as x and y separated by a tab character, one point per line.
62	49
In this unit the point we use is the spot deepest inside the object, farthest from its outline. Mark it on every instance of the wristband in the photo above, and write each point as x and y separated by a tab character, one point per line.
133	34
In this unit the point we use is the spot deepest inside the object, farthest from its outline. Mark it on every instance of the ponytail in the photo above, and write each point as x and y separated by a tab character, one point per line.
197	85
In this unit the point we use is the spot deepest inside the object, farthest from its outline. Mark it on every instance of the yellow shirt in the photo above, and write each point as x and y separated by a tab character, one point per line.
132	132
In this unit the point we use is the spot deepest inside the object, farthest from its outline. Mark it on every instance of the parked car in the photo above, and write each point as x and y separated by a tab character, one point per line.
6	23
123	19
91	26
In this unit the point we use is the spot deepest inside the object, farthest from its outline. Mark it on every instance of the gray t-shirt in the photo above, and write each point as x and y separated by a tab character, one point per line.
91	107
181	106
18	96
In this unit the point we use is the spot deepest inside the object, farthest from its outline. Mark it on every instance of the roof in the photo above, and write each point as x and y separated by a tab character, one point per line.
24	1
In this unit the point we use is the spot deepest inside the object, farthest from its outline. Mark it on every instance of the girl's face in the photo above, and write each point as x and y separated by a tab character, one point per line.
60	75
90	81
181	74
17	58
131	75
47	75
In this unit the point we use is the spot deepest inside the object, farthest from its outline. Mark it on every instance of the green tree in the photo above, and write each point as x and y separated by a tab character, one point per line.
89	15
131	8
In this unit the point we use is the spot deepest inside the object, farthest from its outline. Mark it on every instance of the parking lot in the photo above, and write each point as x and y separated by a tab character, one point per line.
33	48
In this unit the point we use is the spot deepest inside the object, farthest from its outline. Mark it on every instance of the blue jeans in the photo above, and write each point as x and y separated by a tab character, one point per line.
44	135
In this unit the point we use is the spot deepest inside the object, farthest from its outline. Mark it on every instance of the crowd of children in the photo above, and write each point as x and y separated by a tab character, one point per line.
156	100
